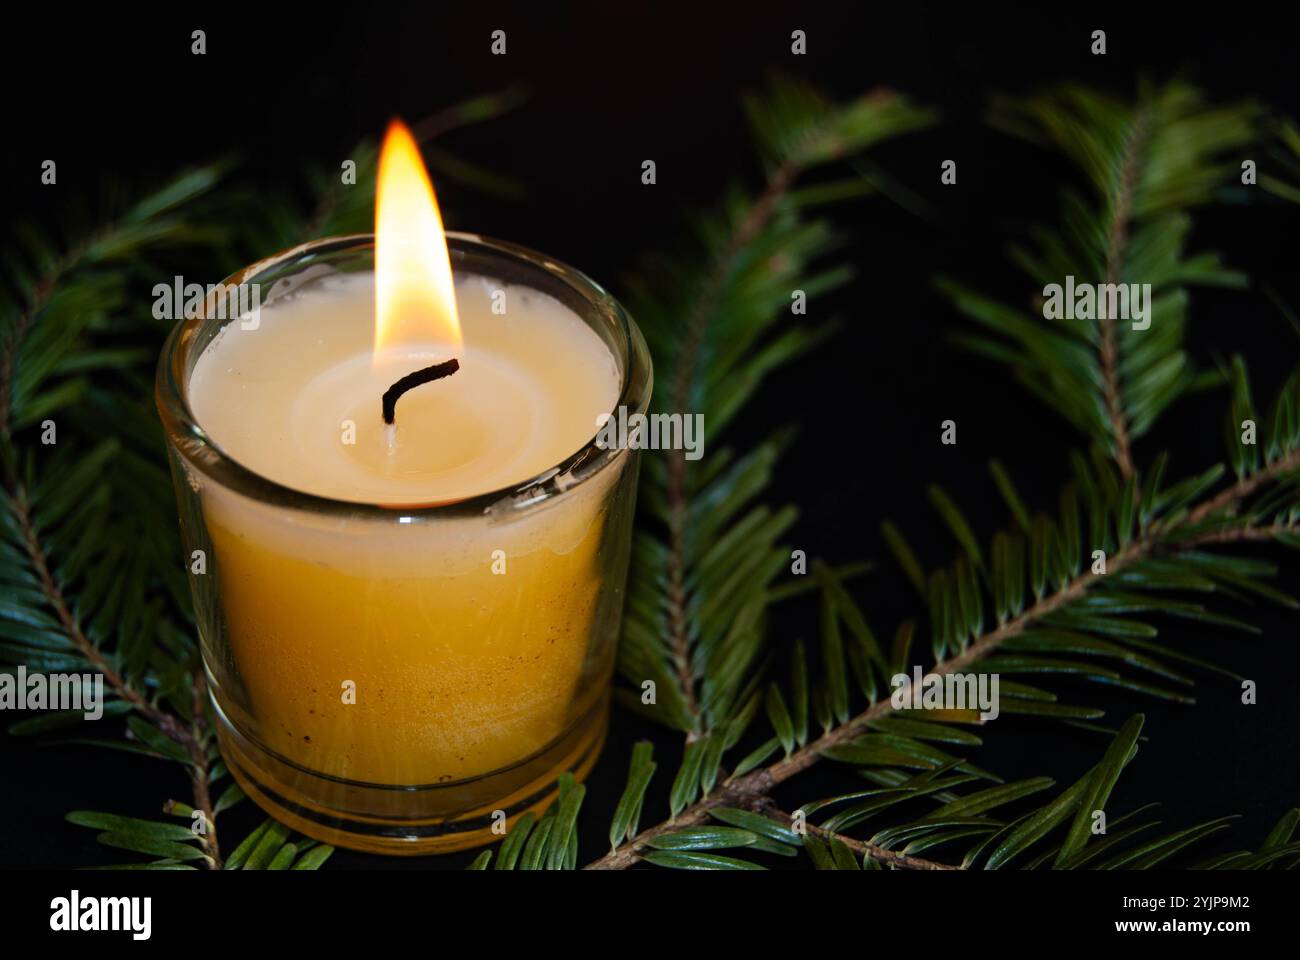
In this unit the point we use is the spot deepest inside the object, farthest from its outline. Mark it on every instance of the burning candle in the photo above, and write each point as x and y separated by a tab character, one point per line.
408	552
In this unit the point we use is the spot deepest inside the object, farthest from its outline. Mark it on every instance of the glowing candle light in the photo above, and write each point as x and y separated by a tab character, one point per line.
423	644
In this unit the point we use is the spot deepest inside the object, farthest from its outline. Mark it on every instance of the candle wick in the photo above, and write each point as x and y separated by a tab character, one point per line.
413	380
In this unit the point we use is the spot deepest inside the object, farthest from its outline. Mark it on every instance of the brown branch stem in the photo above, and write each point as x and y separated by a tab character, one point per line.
687	361
1245	487
893	858
200	772
1116	244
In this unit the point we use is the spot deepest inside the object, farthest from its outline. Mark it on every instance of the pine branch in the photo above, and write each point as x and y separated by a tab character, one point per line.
14	339
1148	164
698	593
778	186
889	858
762	827
1116	243
191	738
54	595
751	790
1229	498
201	777
1284	151
133	230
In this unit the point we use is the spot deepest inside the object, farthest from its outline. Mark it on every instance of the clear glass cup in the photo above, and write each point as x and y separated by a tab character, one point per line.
300	596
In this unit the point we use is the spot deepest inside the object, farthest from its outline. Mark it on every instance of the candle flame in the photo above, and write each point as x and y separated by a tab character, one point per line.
415	301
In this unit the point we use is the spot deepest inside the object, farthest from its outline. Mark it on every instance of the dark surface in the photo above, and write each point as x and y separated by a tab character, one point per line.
125	98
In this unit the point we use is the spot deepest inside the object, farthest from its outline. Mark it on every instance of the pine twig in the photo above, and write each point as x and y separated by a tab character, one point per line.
9	352
751	790
200	771
778	185
1116	244
891	858
678	499
191	738
1241	535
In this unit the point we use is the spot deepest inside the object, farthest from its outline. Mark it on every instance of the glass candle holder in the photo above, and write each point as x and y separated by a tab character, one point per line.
376	684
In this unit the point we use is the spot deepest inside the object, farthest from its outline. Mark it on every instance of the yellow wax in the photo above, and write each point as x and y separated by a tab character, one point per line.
415	652
279	397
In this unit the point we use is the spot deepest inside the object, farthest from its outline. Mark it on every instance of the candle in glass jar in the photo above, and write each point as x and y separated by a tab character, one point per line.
464	644
406	654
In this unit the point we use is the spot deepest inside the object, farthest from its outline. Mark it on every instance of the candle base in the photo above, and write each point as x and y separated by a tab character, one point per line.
409	820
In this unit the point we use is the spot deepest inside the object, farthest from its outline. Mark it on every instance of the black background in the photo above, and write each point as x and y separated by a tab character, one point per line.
612	85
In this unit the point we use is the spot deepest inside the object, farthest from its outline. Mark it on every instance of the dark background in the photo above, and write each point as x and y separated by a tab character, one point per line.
611	85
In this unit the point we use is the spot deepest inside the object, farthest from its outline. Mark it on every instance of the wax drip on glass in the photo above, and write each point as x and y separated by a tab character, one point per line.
415	299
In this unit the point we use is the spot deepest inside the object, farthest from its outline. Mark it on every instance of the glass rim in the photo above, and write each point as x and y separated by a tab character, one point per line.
189	439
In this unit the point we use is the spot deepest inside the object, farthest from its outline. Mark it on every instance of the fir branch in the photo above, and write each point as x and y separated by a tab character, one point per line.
1274	533
1149	164
201	778
778	185
71	626
718	556
191	738
13	340
889	858
1230	498
1116	243
132	232
751	790
1284	150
